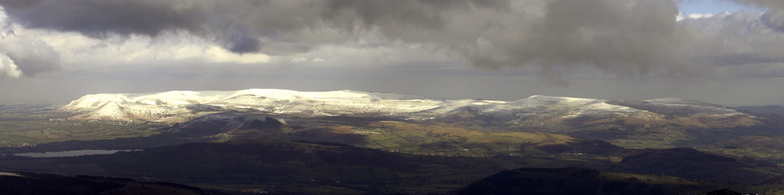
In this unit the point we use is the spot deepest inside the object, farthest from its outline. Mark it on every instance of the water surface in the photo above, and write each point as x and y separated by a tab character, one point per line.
71	153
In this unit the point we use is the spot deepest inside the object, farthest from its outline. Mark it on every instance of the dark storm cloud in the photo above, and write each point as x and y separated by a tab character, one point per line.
242	41
240	24
96	18
622	36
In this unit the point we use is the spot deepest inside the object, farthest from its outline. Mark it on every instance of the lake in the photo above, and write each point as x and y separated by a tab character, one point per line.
71	153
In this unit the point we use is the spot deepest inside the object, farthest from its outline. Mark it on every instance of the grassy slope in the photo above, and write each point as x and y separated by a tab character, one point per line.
655	130
22	125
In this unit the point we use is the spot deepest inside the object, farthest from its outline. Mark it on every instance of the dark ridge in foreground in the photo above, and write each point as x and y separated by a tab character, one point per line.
278	166
579	181
726	192
690	163
32	183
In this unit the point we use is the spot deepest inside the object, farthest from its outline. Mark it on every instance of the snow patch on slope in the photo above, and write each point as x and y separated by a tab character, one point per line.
96	101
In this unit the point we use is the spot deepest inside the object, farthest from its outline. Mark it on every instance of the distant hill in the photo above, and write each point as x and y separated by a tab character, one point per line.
773	109
656	123
176	106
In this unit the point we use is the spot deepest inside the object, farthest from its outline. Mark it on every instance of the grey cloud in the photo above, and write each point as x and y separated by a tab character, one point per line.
740	35
774	16
19	3
745	46
29	56
237	24
774	19
621	36
241	41
763	70
617	36
740	59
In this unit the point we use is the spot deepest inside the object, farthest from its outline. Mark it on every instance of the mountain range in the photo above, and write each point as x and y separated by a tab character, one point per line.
234	140
174	106
621	122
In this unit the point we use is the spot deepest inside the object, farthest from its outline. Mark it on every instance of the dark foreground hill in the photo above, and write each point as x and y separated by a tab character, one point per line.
690	163
318	168
279	166
580	181
31	183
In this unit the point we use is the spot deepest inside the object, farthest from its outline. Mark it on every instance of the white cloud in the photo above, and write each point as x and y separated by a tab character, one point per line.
79	51
8	68
29	55
219	55
692	16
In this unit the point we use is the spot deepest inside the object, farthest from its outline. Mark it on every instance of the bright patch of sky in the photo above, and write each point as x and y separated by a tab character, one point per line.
703	7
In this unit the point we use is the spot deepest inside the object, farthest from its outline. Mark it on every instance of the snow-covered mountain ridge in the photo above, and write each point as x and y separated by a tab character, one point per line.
178	106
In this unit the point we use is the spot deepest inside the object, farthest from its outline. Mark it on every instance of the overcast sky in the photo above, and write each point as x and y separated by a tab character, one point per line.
727	52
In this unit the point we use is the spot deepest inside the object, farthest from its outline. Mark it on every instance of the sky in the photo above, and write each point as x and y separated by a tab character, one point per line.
711	7
728	52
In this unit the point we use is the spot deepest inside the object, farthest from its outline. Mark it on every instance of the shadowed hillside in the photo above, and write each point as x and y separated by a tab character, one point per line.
690	163
31	183
282	166
579	181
